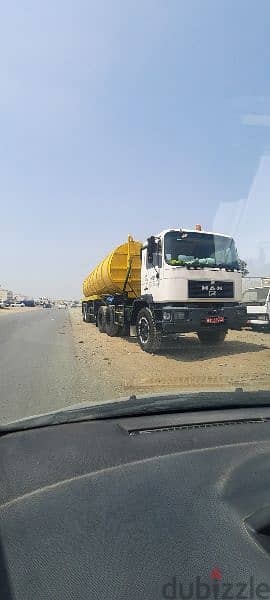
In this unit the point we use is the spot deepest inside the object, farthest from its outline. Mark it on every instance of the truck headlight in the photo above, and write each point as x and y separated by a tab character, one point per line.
166	315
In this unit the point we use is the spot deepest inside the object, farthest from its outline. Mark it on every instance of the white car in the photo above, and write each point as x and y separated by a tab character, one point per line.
61	306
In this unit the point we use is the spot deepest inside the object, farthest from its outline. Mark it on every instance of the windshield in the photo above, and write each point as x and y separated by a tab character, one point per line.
200	249
134	187
256	296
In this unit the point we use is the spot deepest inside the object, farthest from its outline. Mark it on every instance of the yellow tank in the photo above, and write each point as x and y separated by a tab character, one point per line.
110	275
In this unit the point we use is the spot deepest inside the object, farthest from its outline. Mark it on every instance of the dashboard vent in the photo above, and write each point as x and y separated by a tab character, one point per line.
190	426
258	524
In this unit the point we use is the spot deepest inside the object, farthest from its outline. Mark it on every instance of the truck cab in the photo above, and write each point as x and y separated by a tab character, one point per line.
191	266
257	302
191	282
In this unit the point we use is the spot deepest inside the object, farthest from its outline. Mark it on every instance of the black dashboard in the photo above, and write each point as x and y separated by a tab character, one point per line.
162	506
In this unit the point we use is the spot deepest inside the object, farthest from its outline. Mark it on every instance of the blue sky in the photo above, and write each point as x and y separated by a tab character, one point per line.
122	117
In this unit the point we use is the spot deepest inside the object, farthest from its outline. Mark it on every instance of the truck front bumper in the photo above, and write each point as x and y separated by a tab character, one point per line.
258	321
187	319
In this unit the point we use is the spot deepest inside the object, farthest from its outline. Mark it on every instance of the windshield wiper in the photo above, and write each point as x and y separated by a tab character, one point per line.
144	405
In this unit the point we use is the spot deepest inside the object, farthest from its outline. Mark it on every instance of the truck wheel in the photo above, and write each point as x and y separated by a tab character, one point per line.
101	319
148	336
111	328
211	338
86	316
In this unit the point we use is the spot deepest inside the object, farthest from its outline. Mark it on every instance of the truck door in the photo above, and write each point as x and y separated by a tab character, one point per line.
152	270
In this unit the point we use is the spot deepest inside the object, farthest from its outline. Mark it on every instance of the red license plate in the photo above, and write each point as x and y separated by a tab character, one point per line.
215	320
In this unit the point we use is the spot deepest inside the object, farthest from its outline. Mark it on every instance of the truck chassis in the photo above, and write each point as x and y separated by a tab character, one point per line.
151	322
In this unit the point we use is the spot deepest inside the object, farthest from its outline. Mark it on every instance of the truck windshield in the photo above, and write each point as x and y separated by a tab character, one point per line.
256	296
200	250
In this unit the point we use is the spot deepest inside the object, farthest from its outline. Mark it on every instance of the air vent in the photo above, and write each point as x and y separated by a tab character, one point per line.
190	426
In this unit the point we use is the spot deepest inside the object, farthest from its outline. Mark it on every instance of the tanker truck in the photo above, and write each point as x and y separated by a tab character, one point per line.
178	281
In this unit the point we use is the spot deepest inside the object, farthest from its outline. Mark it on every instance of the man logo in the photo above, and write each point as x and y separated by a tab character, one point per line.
212	289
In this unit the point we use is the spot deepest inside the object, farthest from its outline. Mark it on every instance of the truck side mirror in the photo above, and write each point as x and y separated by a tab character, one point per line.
151	248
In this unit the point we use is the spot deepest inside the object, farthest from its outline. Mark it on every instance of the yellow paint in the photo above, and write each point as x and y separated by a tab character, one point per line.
109	276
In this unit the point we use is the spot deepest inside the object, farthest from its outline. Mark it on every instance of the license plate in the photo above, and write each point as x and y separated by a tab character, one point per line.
215	320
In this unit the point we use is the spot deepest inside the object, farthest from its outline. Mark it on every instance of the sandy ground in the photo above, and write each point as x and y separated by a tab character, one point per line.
115	367
17	309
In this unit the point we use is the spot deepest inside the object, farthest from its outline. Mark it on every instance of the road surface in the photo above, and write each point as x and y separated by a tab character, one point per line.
50	359
38	370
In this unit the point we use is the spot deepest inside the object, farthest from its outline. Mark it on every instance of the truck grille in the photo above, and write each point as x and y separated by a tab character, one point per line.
210	289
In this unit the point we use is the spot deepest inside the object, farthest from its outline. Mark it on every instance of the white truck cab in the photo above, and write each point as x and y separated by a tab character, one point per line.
190	265
257	302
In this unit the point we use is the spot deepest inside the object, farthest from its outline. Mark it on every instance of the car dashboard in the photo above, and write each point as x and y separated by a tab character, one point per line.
142	507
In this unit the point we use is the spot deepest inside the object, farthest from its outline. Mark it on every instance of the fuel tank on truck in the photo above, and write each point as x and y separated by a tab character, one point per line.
110	275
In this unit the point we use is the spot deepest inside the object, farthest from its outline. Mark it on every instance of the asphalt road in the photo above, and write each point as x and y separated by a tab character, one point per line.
38	370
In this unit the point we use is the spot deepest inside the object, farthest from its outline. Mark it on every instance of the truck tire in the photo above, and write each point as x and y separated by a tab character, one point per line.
212	338
111	328
148	336
101	319
86	316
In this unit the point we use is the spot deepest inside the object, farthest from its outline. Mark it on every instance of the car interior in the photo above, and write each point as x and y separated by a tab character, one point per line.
136	507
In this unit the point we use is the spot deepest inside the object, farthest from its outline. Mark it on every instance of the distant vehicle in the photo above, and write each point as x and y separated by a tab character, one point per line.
74	305
47	305
257	301
29	303
4	305
61	305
